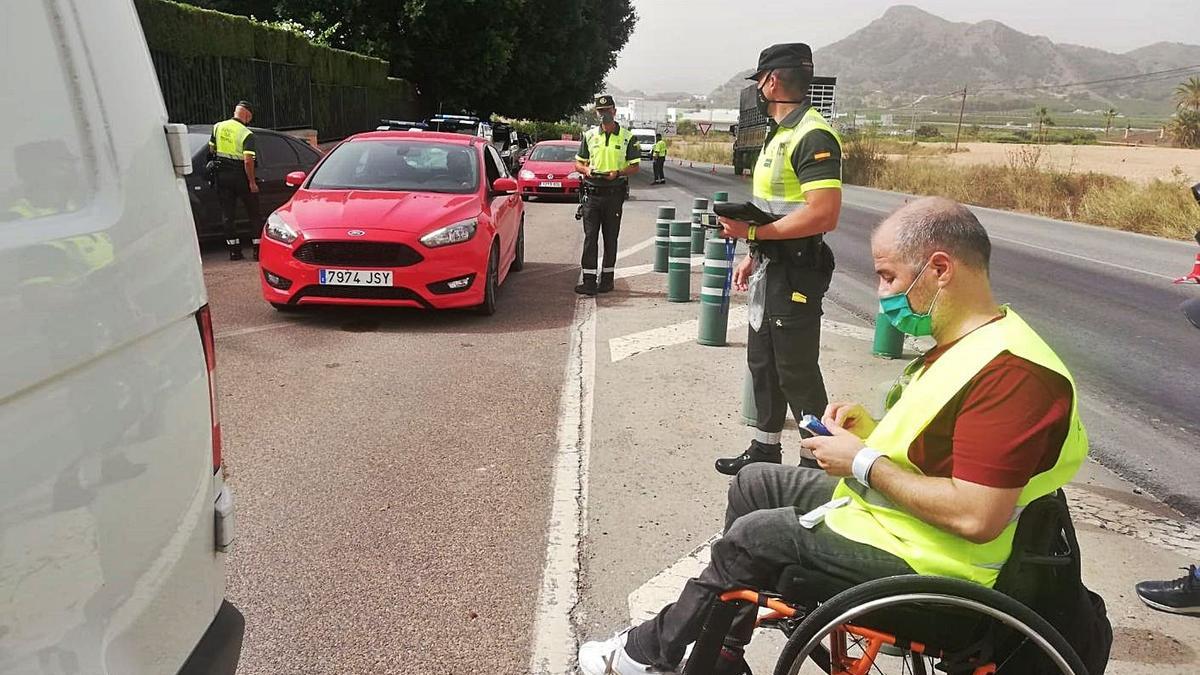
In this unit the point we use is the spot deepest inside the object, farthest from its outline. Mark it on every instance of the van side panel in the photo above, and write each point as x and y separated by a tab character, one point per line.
107	561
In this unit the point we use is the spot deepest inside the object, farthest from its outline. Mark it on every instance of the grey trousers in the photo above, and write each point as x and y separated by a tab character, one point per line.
762	537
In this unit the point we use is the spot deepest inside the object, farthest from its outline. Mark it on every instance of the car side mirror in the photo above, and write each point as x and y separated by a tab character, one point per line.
295	178
504	186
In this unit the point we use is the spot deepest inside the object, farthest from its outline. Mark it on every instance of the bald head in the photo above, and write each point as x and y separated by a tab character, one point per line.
919	229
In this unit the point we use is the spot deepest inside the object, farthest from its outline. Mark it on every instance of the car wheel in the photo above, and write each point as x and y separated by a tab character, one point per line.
491	283
518	263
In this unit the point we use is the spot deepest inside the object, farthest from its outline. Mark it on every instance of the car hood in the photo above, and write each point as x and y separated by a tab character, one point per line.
412	212
556	168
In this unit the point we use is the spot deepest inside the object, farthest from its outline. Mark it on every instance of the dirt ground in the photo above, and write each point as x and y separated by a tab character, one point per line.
1141	164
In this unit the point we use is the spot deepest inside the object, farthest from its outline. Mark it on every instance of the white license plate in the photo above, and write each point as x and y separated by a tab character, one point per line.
555	184
355	278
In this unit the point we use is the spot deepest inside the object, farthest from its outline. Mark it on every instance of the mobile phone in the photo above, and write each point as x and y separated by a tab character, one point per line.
812	424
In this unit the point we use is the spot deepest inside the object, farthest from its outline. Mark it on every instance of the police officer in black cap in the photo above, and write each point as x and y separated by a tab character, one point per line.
607	156
798	182
231	148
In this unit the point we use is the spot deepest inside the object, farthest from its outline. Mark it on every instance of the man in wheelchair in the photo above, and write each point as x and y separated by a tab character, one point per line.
976	429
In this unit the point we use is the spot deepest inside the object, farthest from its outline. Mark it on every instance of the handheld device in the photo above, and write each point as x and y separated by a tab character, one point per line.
745	212
812	424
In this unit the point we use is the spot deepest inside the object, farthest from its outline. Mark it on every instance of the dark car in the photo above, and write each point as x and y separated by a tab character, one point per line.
278	155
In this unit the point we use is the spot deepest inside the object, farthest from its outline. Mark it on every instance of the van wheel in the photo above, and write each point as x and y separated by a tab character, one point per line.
491	284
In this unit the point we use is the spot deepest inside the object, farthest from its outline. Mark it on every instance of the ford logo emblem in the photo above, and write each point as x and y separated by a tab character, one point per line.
356	233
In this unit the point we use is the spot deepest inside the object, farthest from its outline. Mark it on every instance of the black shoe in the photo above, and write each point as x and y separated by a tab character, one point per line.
731	661
757	452
1178	596
588	287
606	282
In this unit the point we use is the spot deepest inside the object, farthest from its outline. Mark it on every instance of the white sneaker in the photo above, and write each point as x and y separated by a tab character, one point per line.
609	658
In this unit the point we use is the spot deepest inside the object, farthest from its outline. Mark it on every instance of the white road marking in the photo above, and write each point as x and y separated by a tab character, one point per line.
252	329
635	248
636	270
1080	257
625	346
556	640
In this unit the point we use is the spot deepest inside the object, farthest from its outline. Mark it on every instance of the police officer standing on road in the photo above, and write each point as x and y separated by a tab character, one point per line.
607	156
660	158
798	179
232	149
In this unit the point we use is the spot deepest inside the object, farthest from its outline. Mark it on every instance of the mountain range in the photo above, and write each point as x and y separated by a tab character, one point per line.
908	52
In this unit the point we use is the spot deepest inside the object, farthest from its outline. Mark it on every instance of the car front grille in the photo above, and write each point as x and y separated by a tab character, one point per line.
361	293
357	254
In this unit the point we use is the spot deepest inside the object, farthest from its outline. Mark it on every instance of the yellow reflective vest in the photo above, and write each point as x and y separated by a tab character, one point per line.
607	152
870	518
777	189
660	149
231	138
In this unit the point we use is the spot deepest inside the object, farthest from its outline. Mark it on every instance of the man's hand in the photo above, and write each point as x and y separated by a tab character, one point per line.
254	186
835	454
734	229
741	273
851	417
613	175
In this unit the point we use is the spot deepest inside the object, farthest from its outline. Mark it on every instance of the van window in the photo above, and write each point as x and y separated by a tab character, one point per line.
45	166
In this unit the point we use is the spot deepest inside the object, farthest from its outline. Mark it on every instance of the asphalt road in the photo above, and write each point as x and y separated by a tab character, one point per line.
391	470
1102	298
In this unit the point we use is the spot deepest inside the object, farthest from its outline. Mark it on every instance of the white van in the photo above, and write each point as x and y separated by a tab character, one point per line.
113	513
645	139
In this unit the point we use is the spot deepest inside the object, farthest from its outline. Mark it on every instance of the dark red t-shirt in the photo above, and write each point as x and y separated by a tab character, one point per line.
1005	426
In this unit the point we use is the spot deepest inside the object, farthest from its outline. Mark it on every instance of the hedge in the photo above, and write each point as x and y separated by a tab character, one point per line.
187	31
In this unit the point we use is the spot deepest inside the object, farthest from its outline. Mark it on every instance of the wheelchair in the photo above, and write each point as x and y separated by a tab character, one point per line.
914	624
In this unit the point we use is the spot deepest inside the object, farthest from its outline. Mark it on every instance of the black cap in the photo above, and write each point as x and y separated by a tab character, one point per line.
605	101
246	105
786	55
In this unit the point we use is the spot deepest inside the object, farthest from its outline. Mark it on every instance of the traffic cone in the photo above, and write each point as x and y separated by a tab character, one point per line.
1193	277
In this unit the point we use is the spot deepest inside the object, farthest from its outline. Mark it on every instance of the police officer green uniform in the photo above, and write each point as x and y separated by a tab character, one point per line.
232	150
659	154
607	155
801	158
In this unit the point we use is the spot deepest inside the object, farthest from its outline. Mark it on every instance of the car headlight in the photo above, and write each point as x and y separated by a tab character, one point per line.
456	233
526	174
279	230
575	175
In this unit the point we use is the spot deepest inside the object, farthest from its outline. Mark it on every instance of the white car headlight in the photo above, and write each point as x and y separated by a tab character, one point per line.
279	230
575	175
526	174
456	233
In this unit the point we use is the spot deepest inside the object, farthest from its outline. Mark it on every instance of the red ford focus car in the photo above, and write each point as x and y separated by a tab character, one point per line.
401	218
549	170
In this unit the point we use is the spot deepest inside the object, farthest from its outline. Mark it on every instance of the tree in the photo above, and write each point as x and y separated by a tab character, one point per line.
928	131
1044	120
1109	116
1184	128
686	128
519	58
1187	95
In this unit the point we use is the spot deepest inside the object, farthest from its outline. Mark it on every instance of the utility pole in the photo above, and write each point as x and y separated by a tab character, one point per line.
961	109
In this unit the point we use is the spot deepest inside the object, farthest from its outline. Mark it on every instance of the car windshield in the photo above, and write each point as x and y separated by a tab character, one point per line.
414	166
553	153
645	138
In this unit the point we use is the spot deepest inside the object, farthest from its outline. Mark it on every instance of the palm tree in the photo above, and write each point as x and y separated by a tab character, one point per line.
1043	119
1184	128
1109	116
1187	95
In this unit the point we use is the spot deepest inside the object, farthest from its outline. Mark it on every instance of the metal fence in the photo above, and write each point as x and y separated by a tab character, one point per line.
203	89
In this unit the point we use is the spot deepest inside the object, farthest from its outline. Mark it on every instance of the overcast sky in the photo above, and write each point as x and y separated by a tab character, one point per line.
696	45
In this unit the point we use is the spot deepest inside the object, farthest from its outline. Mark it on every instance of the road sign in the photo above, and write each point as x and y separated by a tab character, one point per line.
704	127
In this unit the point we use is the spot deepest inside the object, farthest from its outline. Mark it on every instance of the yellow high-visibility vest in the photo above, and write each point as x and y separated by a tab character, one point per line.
777	189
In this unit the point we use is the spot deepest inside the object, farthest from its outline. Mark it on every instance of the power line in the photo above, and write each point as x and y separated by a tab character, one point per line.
1149	77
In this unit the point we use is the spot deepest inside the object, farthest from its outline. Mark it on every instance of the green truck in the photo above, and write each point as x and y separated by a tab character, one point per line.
752	125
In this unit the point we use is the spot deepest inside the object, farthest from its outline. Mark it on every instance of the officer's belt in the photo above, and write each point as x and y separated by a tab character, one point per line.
609	189
805	251
226	164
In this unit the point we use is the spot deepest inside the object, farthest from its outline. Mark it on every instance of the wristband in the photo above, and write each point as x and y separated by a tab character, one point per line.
863	461
752	233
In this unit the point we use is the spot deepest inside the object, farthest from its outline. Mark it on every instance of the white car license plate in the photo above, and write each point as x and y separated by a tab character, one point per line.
355	278
554	184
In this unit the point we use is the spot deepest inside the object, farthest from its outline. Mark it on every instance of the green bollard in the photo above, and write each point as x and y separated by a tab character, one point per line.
662	237
717	198
679	263
889	342
749	409
714	295
699	207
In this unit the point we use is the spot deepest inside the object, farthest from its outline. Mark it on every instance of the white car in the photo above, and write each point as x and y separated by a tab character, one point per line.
114	517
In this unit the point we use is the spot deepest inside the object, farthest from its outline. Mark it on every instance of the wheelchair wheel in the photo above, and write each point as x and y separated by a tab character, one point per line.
916	624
